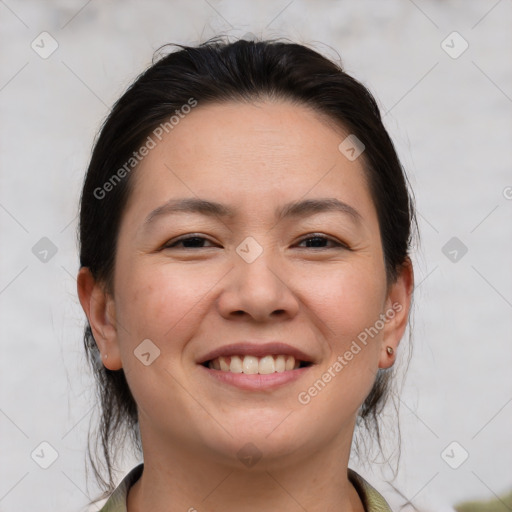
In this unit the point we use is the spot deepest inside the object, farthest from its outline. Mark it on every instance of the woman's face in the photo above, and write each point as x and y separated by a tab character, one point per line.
286	260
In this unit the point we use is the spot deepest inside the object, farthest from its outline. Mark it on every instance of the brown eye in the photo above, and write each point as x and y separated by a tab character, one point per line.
321	241
187	242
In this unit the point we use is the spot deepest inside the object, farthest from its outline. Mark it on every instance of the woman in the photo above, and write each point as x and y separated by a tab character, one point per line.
244	234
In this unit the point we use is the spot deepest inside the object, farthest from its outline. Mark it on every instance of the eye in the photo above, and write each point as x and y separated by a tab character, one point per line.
187	242
318	241
315	241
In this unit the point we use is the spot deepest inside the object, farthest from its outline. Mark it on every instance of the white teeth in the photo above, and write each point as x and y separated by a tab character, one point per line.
252	365
236	365
224	365
266	365
280	363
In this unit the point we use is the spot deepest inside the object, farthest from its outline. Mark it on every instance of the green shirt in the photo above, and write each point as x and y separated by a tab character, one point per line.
372	500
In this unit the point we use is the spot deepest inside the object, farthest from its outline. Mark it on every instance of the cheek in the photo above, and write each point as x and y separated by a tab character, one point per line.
160	302
347	303
347	300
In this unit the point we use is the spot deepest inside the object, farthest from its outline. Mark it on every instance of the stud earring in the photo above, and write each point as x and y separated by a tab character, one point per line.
105	356
390	350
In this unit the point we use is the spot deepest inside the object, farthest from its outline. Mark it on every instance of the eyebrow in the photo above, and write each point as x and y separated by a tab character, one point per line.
213	209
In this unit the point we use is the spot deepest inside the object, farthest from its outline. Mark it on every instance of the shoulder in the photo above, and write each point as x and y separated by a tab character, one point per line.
371	498
117	500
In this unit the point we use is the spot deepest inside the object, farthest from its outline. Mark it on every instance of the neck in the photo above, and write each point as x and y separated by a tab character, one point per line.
305	481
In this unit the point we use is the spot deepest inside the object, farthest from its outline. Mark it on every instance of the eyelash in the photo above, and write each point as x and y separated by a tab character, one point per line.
173	244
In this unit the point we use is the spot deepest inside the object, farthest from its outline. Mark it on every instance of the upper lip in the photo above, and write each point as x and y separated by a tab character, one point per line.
256	349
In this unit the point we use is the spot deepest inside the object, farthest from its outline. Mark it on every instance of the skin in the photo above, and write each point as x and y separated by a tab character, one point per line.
188	301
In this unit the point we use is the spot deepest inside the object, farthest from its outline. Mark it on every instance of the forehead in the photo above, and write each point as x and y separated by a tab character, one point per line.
255	153
241	131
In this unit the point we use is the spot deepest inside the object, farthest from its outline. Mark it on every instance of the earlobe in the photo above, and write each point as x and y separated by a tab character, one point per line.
398	305
99	308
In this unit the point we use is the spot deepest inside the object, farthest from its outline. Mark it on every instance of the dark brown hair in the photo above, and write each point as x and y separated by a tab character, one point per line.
213	72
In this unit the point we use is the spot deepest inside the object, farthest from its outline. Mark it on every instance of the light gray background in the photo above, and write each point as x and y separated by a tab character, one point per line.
451	121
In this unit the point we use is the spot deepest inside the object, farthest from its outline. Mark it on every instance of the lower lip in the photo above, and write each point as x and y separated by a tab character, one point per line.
257	381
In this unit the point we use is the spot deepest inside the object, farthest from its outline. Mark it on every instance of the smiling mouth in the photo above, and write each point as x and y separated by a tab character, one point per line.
252	365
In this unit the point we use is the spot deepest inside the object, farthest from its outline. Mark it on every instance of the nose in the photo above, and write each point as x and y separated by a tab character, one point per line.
260	290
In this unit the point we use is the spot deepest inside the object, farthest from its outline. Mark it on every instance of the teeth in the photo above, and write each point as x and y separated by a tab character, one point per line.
224	365
236	365
266	365
280	364
252	365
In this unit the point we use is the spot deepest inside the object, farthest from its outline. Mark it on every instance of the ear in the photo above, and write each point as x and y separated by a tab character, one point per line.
99	307
398	304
